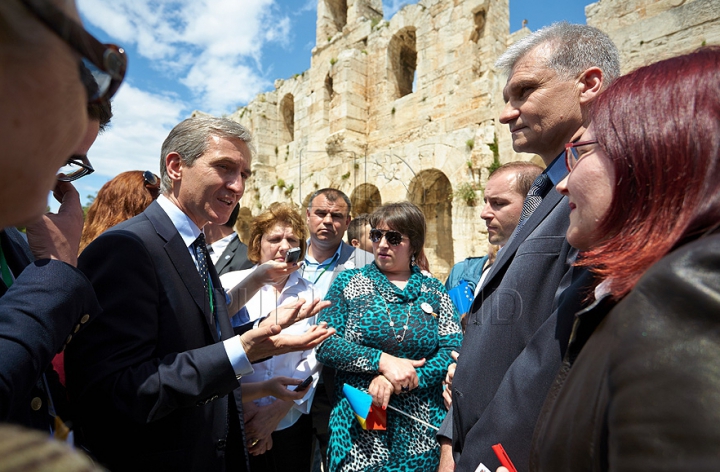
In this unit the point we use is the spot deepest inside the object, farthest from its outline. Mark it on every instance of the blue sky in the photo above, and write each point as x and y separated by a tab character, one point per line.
215	56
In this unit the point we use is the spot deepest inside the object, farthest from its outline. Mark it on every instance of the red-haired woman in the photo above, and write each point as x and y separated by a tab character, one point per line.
644	192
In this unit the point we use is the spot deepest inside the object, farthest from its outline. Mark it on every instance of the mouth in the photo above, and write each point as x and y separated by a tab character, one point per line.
515	129
227	201
572	206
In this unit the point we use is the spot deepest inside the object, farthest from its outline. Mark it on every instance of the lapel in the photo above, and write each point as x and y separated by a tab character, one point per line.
347	253
507	254
224	260
180	257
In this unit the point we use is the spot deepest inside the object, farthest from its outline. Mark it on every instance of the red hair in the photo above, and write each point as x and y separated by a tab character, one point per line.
660	127
118	200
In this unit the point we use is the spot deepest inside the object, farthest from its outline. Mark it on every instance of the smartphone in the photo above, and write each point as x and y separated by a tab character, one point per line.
305	384
292	255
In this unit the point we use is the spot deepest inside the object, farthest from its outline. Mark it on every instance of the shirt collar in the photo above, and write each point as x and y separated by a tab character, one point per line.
185	226
557	170
328	261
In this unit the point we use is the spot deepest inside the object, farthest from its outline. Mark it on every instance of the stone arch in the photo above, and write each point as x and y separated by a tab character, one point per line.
402	56
338	12
287	115
479	18
365	199
431	190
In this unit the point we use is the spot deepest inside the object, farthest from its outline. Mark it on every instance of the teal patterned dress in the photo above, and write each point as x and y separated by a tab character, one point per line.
364	303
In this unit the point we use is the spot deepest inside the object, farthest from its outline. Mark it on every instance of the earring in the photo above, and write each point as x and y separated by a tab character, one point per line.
412	260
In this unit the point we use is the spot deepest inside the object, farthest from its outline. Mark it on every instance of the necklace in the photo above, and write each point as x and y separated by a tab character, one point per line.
398	337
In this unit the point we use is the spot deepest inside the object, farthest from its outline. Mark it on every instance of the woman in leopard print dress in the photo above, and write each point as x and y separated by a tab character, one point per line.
395	330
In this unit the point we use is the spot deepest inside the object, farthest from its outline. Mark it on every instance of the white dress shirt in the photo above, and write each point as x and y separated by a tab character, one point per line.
299	365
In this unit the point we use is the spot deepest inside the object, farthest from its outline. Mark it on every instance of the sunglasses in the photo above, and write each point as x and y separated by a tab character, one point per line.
77	166
571	154
152	183
106	62
392	237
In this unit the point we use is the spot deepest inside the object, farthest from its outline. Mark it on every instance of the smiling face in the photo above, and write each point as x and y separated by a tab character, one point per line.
541	108
589	188
503	206
392	260
208	190
275	243
44	110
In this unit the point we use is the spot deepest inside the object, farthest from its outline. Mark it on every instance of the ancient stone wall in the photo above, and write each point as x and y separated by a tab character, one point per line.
407	109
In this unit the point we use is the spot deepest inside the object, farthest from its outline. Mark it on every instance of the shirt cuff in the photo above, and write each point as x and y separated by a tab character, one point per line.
236	354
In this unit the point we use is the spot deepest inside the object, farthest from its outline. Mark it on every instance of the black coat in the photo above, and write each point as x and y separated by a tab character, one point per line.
640	385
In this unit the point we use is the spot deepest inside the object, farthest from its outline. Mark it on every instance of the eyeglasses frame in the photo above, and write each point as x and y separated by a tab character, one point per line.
109	58
82	161
571	153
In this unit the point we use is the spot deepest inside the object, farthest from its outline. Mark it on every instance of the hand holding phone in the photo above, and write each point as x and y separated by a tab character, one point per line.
293	255
305	384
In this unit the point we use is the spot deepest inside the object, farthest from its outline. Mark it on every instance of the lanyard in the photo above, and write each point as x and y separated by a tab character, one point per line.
335	259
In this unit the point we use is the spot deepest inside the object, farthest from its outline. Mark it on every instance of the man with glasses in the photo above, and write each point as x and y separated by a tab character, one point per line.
46	118
515	339
328	217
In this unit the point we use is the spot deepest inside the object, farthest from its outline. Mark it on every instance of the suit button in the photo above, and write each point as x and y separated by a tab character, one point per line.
36	403
77	328
84	319
220	444
69	338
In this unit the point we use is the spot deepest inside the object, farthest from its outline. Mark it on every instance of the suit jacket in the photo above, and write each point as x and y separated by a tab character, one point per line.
149	382
351	258
49	302
511	350
233	258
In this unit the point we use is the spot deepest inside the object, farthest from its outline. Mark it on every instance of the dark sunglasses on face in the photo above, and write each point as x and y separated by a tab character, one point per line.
106	62
77	166
392	237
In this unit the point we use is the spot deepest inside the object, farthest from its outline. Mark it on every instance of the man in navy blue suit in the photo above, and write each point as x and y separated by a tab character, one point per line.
151	381
514	341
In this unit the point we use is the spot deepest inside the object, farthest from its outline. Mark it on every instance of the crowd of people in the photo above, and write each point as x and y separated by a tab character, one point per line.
586	339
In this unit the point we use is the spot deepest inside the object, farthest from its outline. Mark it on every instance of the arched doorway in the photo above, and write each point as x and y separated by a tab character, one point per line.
432	192
365	199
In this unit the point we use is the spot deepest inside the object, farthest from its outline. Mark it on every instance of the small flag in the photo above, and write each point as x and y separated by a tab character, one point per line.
371	418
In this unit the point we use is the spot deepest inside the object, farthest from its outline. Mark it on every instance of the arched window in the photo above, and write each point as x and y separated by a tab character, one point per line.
287	114
338	10
402	54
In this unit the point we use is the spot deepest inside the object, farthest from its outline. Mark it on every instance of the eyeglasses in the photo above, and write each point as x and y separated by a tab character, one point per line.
152	183
106	62
571	154
77	166
392	237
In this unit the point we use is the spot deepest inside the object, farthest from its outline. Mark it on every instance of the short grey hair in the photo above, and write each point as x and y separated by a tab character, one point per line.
574	49
190	140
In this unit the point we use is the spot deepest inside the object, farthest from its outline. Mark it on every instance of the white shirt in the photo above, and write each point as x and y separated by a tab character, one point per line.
189	232
218	247
298	365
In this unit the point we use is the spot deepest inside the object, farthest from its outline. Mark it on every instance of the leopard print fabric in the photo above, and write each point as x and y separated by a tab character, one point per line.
363	304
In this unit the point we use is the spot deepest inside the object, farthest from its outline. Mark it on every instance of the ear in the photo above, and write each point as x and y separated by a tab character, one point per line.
590	84
174	166
355	243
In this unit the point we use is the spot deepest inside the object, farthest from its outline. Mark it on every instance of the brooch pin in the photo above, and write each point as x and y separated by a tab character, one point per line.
427	308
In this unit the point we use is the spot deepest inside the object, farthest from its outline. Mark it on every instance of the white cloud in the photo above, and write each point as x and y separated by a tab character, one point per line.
141	122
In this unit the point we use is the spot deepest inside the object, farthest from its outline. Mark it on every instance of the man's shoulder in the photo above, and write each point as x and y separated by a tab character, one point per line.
359	257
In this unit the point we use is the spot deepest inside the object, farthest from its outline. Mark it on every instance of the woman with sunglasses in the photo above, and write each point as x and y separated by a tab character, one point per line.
395	330
639	386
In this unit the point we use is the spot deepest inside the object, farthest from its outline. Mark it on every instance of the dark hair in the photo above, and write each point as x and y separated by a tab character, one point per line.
357	227
526	173
660	128
408	219
118	200
233	217
278	212
331	194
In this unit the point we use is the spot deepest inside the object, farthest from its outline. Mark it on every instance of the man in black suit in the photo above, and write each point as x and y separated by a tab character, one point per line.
227	252
514	340
150	380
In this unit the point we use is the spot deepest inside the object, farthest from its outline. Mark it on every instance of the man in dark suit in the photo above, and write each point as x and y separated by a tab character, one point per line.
227	252
150	380
514	340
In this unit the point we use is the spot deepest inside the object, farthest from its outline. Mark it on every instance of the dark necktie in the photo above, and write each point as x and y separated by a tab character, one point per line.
201	253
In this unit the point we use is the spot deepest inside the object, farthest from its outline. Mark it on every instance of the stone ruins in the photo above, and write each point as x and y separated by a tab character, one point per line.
407	109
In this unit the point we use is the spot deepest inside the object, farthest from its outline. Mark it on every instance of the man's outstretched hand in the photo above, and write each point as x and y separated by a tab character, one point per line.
288	315
266	341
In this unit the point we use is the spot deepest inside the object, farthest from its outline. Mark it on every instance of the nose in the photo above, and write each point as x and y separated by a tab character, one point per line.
284	244
509	113
562	186
237	185
486	213
327	218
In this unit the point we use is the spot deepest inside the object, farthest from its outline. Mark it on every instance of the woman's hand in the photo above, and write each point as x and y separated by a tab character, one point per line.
400	372
380	388
277	387
447	391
